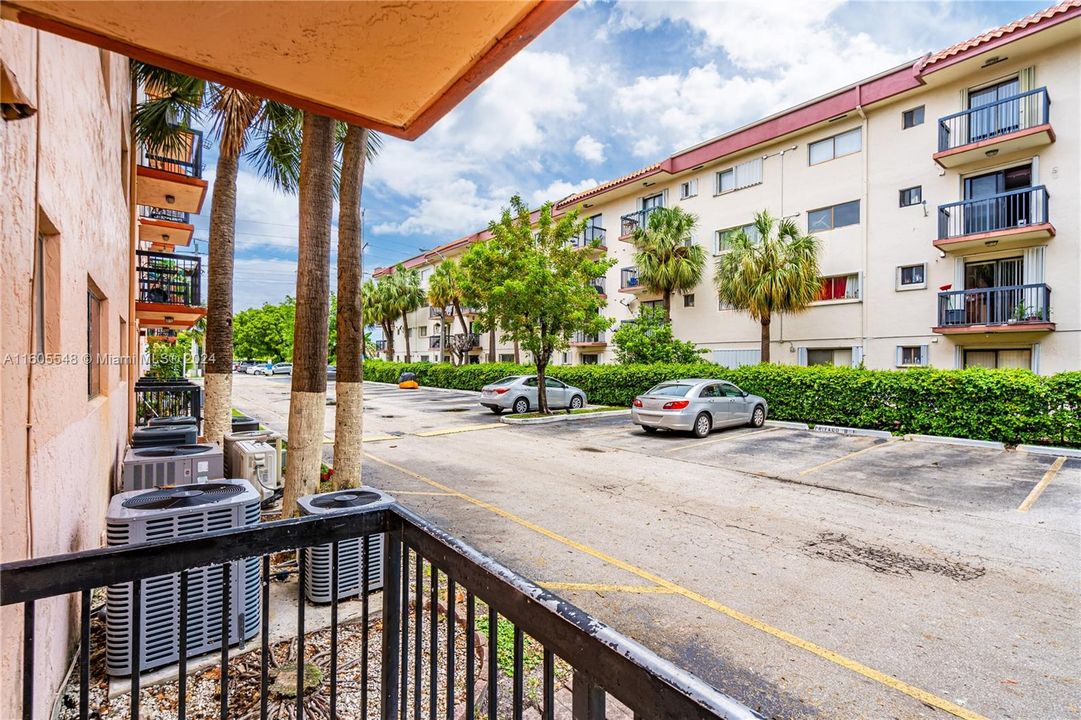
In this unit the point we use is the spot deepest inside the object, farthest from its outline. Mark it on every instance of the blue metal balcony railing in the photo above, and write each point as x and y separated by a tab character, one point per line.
1007	305
1019	112
169	278
632	221
592	235
1013	209
628	278
182	155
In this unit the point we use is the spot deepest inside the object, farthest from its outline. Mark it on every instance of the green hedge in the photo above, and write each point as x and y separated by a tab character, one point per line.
1013	406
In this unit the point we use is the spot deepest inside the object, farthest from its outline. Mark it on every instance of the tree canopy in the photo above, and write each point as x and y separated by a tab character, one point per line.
649	339
666	256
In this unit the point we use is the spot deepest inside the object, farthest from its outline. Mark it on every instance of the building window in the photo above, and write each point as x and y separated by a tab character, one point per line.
723	305
911	355
840	287
566	358
94	330
994	359
834	216
590	359
688	189
422	331
124	360
740	176
505	358
688	300
722	239
834	147
912	118
912	196
912	277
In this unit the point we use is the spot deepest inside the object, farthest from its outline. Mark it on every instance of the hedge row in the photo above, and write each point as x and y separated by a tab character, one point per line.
1012	406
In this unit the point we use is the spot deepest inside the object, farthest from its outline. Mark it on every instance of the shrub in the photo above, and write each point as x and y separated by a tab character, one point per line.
1012	406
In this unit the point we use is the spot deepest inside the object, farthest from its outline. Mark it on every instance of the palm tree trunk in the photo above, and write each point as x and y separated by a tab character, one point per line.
491	344
405	332
465	328
349	386
517	354
388	341
218	383
668	307
765	338
307	400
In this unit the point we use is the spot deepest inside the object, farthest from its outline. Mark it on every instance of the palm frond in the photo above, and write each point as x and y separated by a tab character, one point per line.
234	112
274	145
174	103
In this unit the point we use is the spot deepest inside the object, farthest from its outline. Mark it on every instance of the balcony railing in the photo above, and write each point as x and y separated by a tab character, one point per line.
591	236
423	567
434	342
183	155
1008	305
598	284
463	342
1013	209
632	221
433	312
628	278
588	338
1001	117
380	345
169	278
168	398
153	213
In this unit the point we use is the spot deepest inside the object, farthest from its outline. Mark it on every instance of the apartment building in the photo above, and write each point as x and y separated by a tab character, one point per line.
945	193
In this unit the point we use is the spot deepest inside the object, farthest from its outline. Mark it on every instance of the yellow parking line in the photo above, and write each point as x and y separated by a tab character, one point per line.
1042	485
834	461
459	429
822	652
417	492
377	438
723	438
598	587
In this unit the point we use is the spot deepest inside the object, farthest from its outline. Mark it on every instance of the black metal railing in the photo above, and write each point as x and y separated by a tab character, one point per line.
1001	117
167	398
183	155
425	571
464	341
434	342
582	338
169	278
628	278
380	345
632	221
591	236
1008	305
1013	209
598	284
438	312
153	213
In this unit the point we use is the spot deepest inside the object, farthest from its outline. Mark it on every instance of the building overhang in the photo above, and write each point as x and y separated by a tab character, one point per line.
165	233
168	190
1003	145
1006	239
166	315
1021	329
389	66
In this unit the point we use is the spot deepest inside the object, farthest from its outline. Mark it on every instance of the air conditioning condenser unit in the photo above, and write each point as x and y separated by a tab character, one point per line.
146	468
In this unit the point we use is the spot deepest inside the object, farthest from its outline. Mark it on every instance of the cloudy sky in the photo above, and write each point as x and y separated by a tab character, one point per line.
609	87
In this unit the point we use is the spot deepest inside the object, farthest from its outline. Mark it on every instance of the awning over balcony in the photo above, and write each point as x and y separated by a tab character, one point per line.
391	66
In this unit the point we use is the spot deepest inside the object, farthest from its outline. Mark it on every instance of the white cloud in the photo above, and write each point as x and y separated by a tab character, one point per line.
456	209
559	190
647	146
589	149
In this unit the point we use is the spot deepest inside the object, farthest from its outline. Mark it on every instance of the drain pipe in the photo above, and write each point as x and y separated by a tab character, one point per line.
864	261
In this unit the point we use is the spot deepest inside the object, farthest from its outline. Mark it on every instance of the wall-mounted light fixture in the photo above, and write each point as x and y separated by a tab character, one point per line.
170	199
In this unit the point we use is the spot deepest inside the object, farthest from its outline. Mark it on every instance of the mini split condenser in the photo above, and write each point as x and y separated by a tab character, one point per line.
151	467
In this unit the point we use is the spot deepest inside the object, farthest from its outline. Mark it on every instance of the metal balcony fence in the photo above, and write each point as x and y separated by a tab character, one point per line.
1008	305
598	284
628	277
154	213
167	398
590	236
183	155
1001	117
1013	209
434	342
588	338
604	662
169	278
632	221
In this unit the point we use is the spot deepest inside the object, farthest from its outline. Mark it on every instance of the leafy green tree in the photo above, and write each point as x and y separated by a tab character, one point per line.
539	287
407	297
667	258
649	339
774	275
479	267
379	309
265	333
445	291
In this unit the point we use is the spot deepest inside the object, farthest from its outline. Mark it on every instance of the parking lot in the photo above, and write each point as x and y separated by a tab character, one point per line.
809	574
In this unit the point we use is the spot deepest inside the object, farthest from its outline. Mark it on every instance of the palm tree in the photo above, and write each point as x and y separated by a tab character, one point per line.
445	290
408	296
769	276
307	398
174	102
667	258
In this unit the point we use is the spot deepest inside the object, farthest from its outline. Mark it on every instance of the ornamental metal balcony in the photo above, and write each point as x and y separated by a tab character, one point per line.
1012	124
169	292
170	176
1011	219
591	238
632	221
1012	308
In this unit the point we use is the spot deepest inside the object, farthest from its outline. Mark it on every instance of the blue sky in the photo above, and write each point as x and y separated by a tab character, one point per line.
608	88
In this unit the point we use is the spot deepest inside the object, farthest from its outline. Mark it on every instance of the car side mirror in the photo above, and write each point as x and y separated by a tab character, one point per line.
744	393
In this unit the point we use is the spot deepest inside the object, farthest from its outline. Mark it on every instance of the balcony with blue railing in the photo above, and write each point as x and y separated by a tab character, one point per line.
1011	308
1009	219
1012	124
632	221
170	175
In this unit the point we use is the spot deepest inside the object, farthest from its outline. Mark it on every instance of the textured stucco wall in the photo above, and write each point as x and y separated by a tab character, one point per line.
60	449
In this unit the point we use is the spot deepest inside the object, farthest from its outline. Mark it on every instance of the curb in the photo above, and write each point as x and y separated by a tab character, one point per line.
964	442
787	424
424	387
838	430
563	418
1050	450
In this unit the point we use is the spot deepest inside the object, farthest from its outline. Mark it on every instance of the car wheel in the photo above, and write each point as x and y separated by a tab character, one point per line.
702	425
497	411
521	405
649	430
576	402
758	417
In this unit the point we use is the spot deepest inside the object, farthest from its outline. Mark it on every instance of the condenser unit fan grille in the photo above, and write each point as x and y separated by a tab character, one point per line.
183	496
346	499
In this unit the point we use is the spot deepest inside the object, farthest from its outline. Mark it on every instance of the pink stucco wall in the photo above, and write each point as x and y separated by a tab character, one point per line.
59	448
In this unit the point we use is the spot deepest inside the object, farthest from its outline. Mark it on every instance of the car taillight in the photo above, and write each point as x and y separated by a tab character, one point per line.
500	391
637	402
676	405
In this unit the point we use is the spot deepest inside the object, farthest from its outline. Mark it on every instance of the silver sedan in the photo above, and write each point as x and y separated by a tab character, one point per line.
697	406
519	393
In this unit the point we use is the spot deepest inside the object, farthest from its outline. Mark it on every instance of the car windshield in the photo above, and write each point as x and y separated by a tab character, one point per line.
670	390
